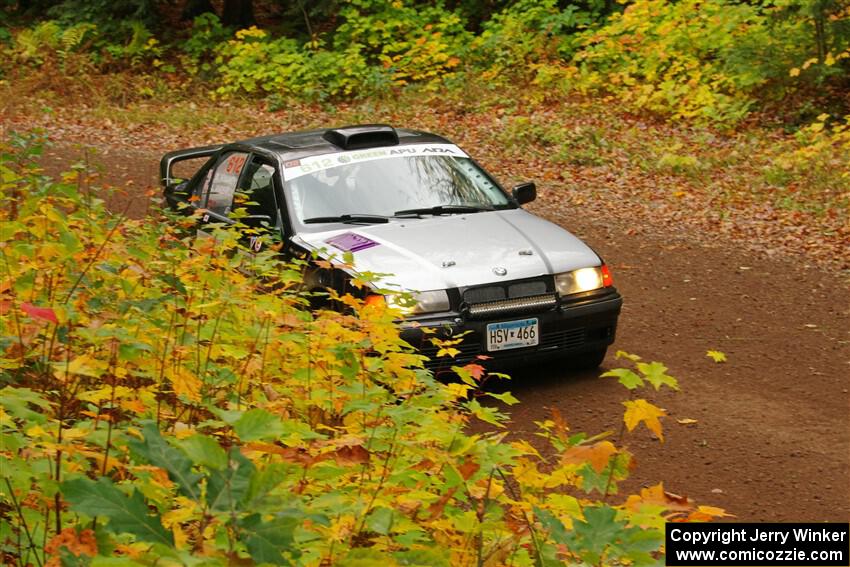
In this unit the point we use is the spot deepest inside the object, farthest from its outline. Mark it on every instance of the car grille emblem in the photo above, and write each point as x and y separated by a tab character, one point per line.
499	271
448	263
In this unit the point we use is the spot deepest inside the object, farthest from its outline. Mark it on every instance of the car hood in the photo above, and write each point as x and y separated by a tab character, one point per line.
444	252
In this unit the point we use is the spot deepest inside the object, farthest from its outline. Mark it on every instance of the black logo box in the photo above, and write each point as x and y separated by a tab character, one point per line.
754	544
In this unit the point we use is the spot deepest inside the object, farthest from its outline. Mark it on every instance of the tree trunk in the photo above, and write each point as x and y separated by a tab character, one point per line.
238	13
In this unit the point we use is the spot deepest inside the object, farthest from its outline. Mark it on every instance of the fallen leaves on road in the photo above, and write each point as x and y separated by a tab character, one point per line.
716	356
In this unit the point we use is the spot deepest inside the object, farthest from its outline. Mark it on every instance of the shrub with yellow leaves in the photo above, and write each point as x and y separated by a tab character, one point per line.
161	404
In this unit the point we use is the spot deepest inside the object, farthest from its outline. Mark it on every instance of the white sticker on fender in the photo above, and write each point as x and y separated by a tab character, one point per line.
297	168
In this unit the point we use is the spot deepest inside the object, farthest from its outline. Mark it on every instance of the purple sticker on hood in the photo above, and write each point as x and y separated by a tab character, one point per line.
351	242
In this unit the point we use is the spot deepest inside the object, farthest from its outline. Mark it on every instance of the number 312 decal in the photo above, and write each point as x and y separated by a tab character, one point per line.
235	163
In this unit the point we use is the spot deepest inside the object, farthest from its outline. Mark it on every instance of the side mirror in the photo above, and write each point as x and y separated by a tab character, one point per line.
176	195
524	192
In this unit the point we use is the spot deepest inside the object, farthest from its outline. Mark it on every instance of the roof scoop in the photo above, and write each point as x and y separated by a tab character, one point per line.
362	136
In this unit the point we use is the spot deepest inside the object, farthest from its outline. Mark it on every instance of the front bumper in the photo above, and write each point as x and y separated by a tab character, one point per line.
570	328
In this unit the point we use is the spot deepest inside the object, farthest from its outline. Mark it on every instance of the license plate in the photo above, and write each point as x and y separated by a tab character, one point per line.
512	334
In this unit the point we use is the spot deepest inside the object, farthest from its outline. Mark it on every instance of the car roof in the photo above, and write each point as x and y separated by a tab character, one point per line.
296	145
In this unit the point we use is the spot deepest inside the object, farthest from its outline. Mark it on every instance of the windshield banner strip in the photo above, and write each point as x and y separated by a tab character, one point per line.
297	168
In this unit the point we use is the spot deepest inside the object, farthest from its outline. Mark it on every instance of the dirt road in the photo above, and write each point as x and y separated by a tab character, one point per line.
771	440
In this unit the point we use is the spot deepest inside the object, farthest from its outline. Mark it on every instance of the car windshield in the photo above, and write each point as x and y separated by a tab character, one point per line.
322	191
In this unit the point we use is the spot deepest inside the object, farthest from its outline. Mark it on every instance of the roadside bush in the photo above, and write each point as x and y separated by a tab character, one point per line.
819	157
675	58
83	46
529	35
172	401
707	61
380	44
253	62
413	43
700	61
49	41
200	47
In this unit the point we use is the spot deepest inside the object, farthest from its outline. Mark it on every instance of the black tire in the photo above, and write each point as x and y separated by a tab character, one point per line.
587	360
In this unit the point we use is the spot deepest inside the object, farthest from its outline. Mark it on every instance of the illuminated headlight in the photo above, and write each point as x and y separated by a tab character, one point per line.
584	279
415	303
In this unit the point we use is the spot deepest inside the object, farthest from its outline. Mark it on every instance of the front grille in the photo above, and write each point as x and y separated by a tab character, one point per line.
509	306
512	290
484	294
563	340
569	339
527	289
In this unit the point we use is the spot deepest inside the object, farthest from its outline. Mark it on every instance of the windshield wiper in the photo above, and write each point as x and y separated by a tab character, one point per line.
444	210
348	218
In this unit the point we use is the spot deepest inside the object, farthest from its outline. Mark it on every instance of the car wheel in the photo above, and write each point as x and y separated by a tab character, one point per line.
587	360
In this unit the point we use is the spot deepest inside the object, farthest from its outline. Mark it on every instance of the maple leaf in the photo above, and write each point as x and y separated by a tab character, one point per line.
505	398
468	374
657	496
642	411
135	405
656	374
82	543
597	455
451	352
159	453
266	541
624	354
625	376
354	455
475	370
707	514
43	313
126	514
185	383
468	468
560	424
716	356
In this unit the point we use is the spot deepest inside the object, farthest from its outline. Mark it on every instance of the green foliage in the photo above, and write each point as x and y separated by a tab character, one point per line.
253	62
710	62
701	61
48	39
681	58
822	151
49	42
125	514
378	45
414	43
206	36
106	14
160	404
528	36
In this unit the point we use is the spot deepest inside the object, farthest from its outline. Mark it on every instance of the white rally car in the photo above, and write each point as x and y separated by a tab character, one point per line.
415	206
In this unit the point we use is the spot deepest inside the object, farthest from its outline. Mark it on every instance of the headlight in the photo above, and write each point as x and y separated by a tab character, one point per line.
415	303
584	279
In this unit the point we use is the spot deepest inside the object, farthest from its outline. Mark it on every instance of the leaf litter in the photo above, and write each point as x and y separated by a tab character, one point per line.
635	174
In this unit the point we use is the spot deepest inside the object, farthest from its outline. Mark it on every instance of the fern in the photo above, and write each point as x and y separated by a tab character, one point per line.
31	42
73	36
48	38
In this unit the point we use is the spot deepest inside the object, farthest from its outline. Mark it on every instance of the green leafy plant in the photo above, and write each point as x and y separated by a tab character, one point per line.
173	400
